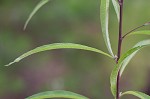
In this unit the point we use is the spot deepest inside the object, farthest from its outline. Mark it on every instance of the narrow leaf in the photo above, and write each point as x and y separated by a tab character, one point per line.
38	6
144	32
104	16
113	77
116	7
127	60
58	46
57	94
137	94
123	61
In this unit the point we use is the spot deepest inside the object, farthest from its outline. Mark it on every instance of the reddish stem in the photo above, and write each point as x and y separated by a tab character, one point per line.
119	47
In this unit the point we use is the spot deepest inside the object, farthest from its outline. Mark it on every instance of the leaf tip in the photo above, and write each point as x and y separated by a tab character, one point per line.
10	63
16	60
25	26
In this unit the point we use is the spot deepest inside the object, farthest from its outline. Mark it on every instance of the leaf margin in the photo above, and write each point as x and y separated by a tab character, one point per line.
137	94
128	59
36	8
57	94
116	7
140	32
113	77
58	46
114	73
104	17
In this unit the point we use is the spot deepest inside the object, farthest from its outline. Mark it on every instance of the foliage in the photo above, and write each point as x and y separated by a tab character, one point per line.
121	62
57	94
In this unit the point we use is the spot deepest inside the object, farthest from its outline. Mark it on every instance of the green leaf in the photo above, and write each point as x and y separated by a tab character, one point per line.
38	6
104	16
57	94
123	61
144	32
113	77
116	6
127	60
58	46
137	94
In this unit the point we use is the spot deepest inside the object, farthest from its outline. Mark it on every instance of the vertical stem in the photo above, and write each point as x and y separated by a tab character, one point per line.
120	29
119	47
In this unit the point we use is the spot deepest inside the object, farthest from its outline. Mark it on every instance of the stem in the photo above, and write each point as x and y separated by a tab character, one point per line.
148	23
120	32
118	86
119	47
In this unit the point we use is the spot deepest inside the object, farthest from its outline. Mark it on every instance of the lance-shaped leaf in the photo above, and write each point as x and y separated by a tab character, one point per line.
104	16
38	6
57	94
137	94
58	46
123	61
127	60
113	77
116	7
141	32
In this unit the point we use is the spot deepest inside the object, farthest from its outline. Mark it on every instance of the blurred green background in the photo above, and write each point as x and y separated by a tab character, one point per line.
75	21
